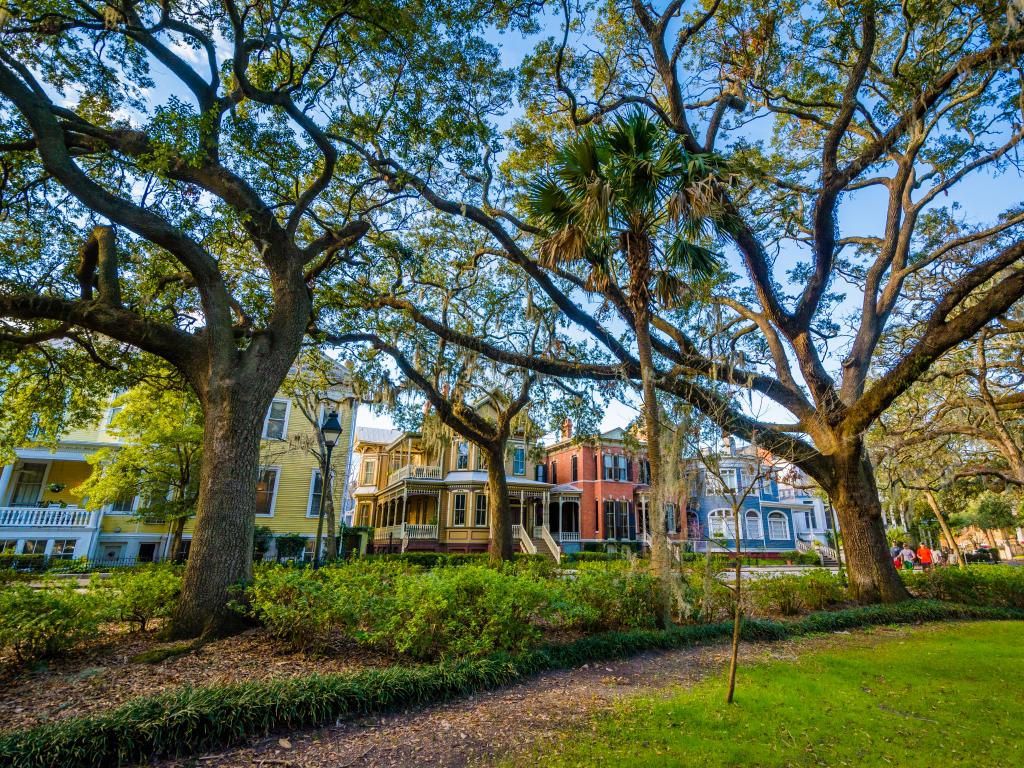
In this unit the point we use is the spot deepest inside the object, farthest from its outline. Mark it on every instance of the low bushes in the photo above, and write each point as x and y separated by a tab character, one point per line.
41	623
198	719
147	593
789	595
998	585
469	610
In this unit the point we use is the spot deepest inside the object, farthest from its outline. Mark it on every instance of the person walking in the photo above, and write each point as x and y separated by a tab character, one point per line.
924	556
908	556
938	558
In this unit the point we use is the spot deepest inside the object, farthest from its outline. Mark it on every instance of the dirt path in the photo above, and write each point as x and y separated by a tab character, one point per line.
476	730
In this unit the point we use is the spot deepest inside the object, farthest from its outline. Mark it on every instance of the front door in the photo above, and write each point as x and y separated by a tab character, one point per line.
28	488
111	552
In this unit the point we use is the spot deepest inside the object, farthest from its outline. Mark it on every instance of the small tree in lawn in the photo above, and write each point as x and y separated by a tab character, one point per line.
160	427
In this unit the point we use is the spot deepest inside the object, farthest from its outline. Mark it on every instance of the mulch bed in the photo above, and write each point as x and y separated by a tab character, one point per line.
105	675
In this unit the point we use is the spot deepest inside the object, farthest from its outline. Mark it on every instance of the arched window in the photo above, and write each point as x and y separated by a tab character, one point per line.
754	530
721	524
778	526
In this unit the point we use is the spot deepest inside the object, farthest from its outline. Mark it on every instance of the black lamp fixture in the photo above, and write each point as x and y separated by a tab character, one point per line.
330	430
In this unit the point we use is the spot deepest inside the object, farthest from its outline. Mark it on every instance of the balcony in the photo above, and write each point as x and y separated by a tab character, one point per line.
47	517
414	472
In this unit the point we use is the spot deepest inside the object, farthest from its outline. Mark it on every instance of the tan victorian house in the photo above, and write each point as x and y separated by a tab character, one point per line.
424	497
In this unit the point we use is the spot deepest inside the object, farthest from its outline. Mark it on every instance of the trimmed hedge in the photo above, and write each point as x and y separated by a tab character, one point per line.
197	719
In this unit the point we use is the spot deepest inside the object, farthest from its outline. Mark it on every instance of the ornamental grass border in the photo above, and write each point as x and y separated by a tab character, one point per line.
194	720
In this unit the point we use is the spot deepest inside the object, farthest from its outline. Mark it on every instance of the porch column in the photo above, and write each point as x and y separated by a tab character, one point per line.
545	513
405	505
561	514
522	510
5	480
643	516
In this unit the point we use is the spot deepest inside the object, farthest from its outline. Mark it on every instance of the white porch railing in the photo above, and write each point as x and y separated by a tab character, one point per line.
518	532
47	517
396	532
568	536
544	534
418	531
414	472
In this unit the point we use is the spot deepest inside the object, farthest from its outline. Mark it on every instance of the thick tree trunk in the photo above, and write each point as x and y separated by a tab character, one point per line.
501	545
873	578
221	552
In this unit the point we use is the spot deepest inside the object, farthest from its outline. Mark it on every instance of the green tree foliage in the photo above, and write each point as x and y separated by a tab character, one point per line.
178	178
160	430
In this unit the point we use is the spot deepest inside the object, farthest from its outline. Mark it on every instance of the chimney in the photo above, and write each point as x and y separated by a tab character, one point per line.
566	429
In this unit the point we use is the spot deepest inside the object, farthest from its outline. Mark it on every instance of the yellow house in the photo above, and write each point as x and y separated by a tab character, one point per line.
435	498
39	513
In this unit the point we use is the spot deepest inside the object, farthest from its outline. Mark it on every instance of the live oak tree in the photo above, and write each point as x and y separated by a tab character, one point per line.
850	130
174	177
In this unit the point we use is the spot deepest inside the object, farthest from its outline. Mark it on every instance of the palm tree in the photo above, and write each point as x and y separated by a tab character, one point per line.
629	203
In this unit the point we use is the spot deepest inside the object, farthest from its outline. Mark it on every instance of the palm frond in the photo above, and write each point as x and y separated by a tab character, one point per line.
695	259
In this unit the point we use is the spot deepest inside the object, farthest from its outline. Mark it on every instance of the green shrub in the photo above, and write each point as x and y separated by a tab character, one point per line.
820	589
590	557
610	598
775	594
997	585
790	594
23	562
47	622
467	611
138	596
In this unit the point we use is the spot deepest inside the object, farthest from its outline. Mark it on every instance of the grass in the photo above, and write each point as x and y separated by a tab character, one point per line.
935	695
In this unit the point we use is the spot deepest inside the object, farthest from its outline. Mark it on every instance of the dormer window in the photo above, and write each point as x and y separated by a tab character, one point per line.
462	455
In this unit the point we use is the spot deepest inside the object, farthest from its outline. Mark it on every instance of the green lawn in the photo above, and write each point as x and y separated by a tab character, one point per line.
923	697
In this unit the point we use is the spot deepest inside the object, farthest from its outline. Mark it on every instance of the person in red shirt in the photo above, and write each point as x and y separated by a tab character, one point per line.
924	557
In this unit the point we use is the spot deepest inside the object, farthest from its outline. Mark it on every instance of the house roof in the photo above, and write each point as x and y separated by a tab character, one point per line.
376	435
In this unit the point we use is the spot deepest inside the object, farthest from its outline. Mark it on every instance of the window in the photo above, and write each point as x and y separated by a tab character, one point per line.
481	460
481	511
363	518
519	460
462	455
459	513
316	492
621	469
644	472
778	527
266	490
123	506
147	551
670	518
575	468
369	470
34	547
609	467
29	485
554	473
810	521
8	546
754	530
63	549
616	520
277	420
721	524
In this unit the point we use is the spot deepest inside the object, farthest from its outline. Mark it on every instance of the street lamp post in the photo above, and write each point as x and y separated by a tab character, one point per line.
330	432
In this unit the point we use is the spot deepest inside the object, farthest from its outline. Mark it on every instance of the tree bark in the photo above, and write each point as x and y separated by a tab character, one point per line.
331	548
501	545
873	578
222	544
737	617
